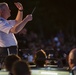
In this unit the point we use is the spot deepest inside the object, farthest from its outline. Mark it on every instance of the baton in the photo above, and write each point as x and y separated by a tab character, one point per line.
33	10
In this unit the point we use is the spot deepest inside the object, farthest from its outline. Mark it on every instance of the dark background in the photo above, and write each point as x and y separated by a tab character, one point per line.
49	17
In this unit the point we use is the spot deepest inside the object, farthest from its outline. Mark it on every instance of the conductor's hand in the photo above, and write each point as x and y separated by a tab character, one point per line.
29	17
19	5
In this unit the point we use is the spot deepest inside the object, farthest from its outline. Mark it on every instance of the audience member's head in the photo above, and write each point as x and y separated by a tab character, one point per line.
72	58
9	60
21	68
40	58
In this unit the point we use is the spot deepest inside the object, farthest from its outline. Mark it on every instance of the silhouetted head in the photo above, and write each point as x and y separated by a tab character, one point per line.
9	60
40	58
72	58
21	68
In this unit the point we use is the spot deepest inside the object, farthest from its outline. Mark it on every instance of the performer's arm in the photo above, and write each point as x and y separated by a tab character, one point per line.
19	26
20	12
